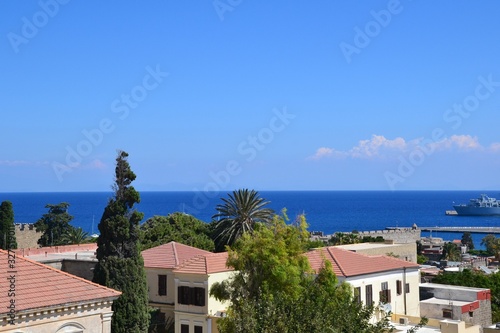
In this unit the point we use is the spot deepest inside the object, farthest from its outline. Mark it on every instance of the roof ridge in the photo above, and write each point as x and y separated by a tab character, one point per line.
329	248
64	273
399	260
174	249
205	259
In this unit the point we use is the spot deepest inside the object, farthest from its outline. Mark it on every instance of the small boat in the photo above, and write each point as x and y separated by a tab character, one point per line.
482	206
93	235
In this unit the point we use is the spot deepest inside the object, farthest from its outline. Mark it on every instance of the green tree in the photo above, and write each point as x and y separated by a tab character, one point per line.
340	238
178	227
467	240
275	290
492	245
75	236
120	265
237	215
7	228
421	259
451	252
54	225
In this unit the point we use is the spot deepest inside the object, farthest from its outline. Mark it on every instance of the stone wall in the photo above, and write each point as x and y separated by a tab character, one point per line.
480	316
401	235
26	236
80	268
406	251
25	252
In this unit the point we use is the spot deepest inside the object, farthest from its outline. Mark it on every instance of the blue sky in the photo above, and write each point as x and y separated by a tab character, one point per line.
277	95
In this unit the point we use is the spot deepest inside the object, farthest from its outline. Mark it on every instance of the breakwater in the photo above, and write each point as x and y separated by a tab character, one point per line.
397	235
478	230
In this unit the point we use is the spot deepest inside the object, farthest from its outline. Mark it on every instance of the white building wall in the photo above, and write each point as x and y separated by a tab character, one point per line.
192	315
192	281
152	280
87	319
397	304
192	320
214	305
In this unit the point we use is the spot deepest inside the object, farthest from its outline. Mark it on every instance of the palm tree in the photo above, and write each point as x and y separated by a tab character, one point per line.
451	252
75	236
237	215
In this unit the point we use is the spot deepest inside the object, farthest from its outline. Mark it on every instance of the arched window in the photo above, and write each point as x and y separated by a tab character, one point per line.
71	328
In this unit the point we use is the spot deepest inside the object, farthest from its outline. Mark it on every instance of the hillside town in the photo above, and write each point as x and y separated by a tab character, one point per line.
249	270
54	292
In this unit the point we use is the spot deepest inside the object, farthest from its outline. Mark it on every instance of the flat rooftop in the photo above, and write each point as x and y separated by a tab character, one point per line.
425	329
449	287
367	246
75	255
446	302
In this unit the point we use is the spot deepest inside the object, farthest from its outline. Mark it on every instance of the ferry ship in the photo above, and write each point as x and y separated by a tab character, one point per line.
482	206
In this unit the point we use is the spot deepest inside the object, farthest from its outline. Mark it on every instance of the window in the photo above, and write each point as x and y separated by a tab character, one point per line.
447	313
191	296
399	287
198	296
70	328
369	295
198	329
184	295
162	285
407	288
385	293
184	328
357	294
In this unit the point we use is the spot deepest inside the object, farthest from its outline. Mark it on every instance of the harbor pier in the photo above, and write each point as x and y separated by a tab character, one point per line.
476	230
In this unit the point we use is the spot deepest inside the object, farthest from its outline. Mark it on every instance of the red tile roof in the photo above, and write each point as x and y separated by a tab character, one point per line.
170	255
205	264
346	263
41	286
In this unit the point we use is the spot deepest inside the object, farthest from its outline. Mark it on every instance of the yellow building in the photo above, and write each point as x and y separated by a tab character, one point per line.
36	298
179	280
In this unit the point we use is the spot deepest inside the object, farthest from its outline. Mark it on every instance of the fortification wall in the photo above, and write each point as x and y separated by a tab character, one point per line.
401	235
26	236
92	247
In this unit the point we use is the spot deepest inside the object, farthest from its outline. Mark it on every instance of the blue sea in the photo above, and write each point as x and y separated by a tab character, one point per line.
327	211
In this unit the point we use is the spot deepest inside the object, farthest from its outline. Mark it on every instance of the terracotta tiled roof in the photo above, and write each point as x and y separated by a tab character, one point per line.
41	286
170	255
205	264
346	263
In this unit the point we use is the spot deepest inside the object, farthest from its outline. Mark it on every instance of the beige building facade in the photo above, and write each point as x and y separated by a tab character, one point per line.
37	298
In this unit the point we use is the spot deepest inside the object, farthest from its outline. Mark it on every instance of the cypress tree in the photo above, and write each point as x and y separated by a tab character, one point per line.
120	265
7	230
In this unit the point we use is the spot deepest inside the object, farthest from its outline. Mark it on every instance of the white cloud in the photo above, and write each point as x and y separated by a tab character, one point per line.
97	164
375	146
380	147
494	147
460	142
16	163
322	152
